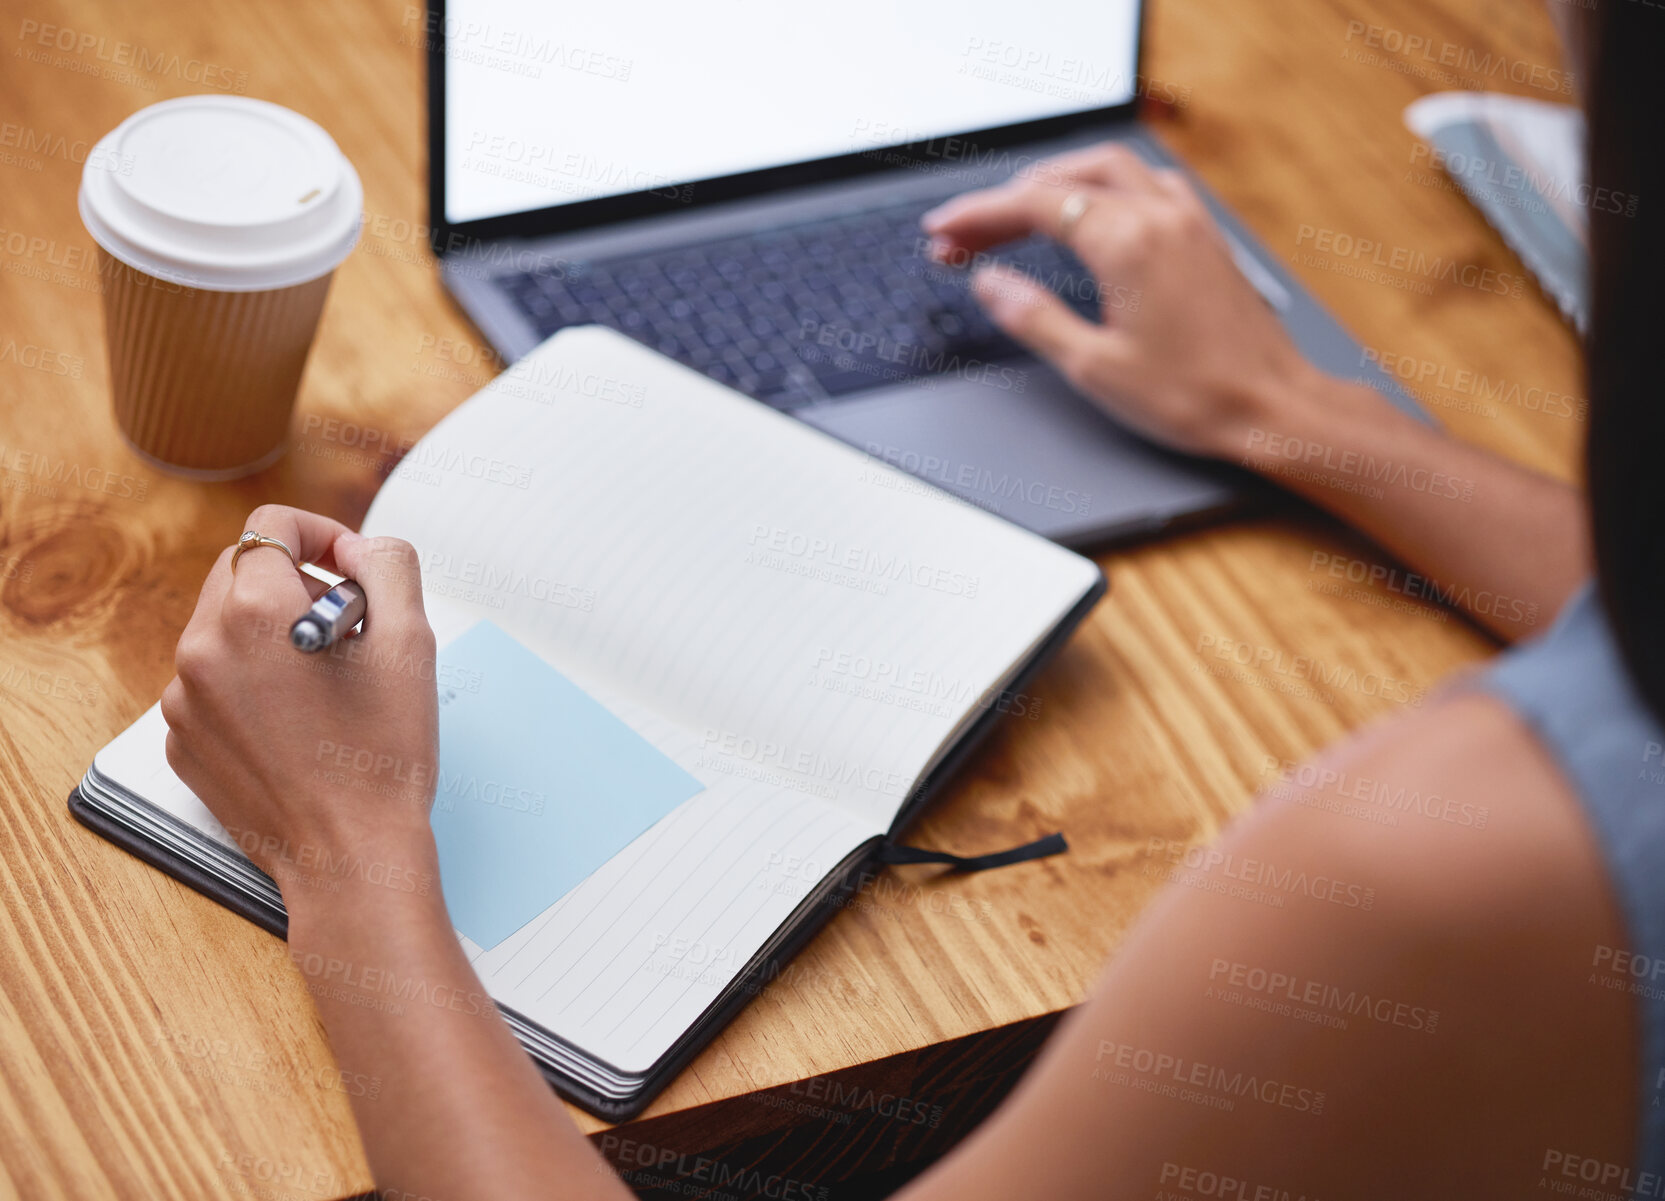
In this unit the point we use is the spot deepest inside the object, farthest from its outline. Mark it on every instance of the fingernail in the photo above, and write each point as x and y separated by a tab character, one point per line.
939	250
932	221
348	538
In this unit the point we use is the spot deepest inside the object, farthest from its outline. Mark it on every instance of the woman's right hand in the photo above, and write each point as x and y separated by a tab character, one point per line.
1189	354
321	767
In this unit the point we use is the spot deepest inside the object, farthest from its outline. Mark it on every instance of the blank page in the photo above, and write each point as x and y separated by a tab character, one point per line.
813	617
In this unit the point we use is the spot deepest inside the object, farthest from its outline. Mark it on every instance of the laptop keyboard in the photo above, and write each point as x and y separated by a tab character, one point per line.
801	314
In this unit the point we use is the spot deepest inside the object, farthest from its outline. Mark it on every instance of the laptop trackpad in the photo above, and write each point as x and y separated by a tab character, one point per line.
1024	445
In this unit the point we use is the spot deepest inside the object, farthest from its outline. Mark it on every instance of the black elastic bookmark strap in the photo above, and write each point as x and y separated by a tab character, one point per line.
1052	844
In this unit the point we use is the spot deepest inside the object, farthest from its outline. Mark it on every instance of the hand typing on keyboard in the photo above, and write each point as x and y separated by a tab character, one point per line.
804	314
1183	350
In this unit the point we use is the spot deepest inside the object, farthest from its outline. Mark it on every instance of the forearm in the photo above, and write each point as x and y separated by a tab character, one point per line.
458	1111
448	1105
1504	544
1197	362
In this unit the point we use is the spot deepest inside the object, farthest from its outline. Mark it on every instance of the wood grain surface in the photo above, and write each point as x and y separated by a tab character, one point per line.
152	1045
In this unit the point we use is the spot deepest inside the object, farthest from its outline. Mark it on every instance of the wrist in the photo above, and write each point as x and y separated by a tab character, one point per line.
1307	419
1271	406
362	882
371	949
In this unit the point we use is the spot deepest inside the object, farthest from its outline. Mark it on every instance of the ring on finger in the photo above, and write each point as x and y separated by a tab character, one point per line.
250	540
1074	208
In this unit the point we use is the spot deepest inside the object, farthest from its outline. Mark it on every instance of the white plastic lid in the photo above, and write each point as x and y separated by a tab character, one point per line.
224	193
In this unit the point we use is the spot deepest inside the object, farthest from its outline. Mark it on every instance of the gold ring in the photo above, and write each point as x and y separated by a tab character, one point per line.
250	540
1075	207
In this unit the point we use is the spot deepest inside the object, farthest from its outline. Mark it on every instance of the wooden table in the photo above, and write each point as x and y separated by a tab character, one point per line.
150	1043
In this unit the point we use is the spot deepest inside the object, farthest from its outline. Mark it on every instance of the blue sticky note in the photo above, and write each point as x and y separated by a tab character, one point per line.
539	785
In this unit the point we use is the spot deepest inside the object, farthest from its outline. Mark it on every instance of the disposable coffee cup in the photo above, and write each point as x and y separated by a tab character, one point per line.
220	221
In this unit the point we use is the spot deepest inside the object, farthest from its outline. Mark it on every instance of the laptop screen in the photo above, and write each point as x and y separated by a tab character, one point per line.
548	105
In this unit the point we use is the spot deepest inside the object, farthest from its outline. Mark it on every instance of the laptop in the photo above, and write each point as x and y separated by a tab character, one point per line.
739	186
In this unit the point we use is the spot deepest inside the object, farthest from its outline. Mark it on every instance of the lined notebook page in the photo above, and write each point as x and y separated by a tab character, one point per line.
799	626
624	963
627	961
813	618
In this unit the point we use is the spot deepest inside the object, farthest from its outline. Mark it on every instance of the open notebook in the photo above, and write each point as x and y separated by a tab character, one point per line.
814	638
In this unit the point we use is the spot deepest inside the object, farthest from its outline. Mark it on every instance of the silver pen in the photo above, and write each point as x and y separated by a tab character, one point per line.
329	619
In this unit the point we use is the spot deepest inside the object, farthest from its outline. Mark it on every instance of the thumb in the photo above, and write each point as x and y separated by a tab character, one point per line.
1032	314
390	572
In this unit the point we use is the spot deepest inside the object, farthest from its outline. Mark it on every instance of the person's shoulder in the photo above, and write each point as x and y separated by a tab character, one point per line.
1490	902
1458	813
1376	983
1460	797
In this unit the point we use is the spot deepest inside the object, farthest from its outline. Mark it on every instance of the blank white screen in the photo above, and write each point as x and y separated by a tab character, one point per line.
551	104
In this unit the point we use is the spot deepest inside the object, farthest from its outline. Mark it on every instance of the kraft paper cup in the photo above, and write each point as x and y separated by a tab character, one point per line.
219	222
